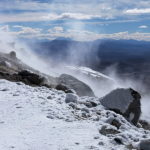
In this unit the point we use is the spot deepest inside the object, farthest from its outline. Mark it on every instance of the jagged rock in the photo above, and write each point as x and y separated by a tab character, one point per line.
71	98
144	145
125	102
72	83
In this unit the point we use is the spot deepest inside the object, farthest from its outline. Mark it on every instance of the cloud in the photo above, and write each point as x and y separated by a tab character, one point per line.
75	34
28	30
143	27
56	29
4	28
136	11
40	16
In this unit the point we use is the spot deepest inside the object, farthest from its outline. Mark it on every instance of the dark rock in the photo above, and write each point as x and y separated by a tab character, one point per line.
71	98
115	123
31	78
12	55
145	125
106	131
118	140
125	102
64	88
72	83
144	145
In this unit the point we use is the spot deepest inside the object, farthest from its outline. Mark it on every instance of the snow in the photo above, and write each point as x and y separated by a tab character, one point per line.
37	118
87	71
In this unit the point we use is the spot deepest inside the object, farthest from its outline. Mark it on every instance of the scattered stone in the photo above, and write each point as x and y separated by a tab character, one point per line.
77	143
18	107
90	104
64	88
115	123
144	145
105	131
50	117
70	97
125	102
96	137
4	90
145	125
85	110
15	94
49	97
118	140
73	105
101	143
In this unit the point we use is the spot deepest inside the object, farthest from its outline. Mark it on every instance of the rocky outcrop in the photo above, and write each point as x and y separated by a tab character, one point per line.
125	102
72	83
31	78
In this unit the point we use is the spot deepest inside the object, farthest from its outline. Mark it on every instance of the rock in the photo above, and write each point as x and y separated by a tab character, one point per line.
72	83
71	98
125	102
118	140
145	125
90	104
115	123
144	145
31	78
106	131
12	55
64	88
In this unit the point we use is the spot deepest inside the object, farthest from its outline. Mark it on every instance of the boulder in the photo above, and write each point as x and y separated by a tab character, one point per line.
71	98
12	55
125	102
72	83
144	145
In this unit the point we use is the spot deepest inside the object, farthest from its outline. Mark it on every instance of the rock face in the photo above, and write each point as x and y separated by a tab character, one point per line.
72	83
31	78
125	102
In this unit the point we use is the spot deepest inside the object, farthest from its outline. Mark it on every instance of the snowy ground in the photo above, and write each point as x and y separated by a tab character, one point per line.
37	118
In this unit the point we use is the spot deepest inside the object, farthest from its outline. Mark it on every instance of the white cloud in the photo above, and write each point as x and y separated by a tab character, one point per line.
4	28
28	30
56	29
137	11
40	16
143	27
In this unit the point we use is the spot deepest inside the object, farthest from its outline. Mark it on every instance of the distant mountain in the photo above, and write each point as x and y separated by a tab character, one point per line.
130	57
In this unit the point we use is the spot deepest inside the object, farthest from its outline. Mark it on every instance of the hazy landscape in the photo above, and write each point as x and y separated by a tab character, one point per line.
74	75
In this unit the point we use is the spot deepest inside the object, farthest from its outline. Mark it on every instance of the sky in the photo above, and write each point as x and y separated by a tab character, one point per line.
82	20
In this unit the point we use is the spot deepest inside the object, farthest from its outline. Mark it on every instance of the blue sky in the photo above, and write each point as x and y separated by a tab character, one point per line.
76	19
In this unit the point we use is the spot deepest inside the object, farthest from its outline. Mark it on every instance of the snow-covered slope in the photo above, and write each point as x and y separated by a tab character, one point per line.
37	118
